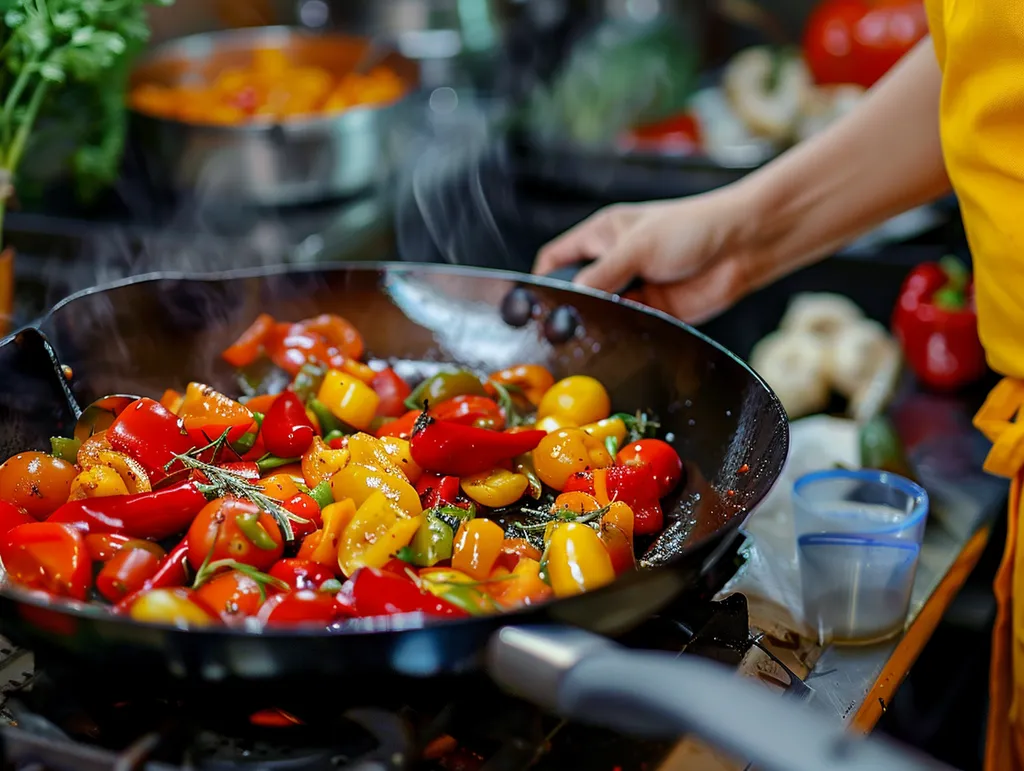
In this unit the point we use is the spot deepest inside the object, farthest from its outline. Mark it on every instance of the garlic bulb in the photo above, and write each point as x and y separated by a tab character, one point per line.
794	364
820	313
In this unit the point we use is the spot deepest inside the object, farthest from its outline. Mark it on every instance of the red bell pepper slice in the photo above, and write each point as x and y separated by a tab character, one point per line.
304	606
937	326
436	490
287	431
456	450
392	390
402	427
301	574
49	557
153	515
381	593
249	346
470	410
151	434
170	573
11	516
635	486
339	334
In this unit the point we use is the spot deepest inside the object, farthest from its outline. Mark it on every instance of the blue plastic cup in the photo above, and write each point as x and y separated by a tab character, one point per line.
858	537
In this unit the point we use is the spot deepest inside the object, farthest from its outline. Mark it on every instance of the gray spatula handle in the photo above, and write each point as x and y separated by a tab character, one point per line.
587	678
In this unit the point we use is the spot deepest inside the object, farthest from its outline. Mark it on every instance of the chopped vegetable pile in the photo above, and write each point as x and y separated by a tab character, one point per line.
333	490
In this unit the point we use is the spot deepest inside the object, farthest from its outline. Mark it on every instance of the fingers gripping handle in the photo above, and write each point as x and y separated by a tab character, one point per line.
569	272
586	678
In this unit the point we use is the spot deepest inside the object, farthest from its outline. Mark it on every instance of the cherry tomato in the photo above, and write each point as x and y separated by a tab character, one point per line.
11	516
229	528
393	391
663	460
565	452
178	607
531	380
233	595
301	574
578	399
127	572
37	482
859	41
304	606
48	556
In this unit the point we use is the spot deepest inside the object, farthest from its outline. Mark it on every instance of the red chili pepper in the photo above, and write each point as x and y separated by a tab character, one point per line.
301	574
380	593
154	515
402	427
170	573
435	490
303	505
456	450
287	431
470	410
635	486
937	326
392	390
151	434
11	516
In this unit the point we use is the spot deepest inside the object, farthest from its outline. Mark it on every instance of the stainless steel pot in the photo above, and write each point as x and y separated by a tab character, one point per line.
274	164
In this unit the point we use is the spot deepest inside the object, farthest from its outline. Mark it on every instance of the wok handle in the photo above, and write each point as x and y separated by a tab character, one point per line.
587	678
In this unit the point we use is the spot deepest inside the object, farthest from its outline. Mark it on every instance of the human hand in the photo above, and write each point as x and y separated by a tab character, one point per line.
694	255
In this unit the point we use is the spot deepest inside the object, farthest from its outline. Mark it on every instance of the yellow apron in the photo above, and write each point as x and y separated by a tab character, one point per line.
980	48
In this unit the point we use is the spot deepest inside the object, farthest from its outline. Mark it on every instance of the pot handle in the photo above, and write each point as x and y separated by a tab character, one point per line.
587	678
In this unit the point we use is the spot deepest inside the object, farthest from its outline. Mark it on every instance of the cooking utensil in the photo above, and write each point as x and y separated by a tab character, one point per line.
146	334
296	161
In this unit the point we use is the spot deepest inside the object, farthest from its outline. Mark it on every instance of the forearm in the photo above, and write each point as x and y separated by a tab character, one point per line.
883	158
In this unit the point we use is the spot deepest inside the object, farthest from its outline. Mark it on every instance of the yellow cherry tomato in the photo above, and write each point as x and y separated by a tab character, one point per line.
320	462
390	455
375	533
578	398
360	482
577	560
531	380
349	399
495	488
609	428
477	547
97	482
553	423
170	606
565	452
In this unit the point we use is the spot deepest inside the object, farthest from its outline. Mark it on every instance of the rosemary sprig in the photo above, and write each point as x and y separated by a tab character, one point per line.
225	483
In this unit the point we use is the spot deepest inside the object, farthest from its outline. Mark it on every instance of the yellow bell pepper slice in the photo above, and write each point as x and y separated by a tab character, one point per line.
322	546
390	455
526	586
577	560
320	462
349	399
377	531
359	482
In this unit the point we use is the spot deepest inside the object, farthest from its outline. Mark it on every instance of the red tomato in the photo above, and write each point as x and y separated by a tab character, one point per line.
127	572
393	391
660	456
11	516
233	595
680	133
858	41
303	505
301	574
48	556
103	546
237	530
304	606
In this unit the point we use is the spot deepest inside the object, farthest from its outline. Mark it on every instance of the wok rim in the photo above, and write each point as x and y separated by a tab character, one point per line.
710	542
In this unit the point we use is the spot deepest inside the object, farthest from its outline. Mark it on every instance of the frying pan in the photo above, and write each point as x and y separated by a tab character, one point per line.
155	332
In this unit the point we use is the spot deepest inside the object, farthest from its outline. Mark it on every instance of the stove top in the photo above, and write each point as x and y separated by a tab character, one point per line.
52	720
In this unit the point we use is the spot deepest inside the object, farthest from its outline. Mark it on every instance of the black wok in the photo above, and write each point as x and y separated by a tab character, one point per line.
152	333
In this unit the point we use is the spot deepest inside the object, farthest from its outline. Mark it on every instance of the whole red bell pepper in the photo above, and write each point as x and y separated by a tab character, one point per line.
151	434
287	431
635	486
456	450
937	325
380	593
155	515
